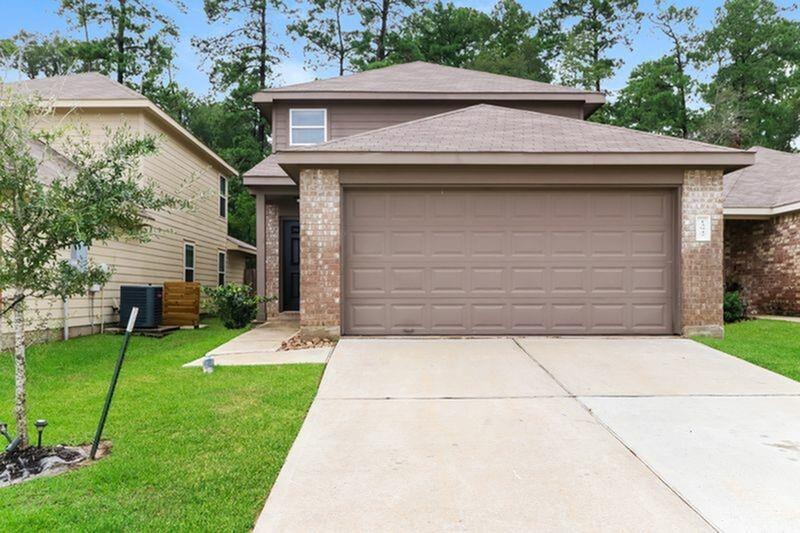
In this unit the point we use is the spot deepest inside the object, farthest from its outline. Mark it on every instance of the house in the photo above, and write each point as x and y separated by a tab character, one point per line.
762	232
422	200
189	245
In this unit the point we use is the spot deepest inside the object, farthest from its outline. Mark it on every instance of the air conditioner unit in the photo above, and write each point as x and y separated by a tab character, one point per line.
147	298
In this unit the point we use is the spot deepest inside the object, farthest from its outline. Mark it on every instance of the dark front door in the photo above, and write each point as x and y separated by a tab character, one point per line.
290	288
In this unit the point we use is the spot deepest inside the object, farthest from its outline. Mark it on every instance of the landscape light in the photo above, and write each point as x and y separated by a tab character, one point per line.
40	425
4	431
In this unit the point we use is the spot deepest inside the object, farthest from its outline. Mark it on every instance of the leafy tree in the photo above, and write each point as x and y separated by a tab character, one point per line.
100	195
513	48
378	19
137	38
242	57
652	99
755	93
597	26
678	25
323	29
38	55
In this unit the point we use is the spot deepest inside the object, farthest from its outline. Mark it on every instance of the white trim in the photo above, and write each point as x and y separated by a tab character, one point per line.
324	125
760	211
193	268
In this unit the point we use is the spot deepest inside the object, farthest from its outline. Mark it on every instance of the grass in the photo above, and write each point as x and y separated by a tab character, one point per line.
772	344
190	451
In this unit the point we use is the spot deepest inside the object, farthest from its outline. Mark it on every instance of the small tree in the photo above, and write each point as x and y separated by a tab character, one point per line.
50	203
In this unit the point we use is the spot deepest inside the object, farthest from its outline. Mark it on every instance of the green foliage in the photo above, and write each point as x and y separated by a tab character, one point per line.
652	99
378	20
191	451
39	55
755	93
322	27
587	31
235	304
734	307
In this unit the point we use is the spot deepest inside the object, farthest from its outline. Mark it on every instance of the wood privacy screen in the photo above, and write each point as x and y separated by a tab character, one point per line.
181	303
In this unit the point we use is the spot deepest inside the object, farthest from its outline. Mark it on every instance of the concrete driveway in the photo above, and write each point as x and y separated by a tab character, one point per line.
542	434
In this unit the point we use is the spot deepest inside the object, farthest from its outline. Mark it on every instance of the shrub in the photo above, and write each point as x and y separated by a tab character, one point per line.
733	307
235	304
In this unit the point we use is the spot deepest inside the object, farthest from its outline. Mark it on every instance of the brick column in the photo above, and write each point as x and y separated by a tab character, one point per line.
702	261
272	257
260	254
320	267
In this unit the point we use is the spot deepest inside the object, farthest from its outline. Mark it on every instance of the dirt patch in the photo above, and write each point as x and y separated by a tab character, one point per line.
296	343
30	463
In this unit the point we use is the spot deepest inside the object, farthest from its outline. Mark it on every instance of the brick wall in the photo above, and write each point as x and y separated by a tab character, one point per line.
701	263
272	259
763	256
320	267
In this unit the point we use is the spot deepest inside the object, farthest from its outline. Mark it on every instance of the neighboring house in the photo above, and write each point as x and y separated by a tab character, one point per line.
420	199
190	245
762	232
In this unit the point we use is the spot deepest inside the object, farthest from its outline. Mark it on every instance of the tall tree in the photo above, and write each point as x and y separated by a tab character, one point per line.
652	99
587	31
243	56
323	28
40	55
378	19
755	93
98	196
678	25
137	37
517	46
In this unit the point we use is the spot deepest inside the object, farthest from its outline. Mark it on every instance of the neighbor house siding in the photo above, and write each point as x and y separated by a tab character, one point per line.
175	169
763	257
350	118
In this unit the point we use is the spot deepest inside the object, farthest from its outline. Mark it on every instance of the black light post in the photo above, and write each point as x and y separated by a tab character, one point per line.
113	385
40	425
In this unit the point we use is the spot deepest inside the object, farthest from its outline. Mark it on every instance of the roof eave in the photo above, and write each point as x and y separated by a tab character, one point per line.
759	212
291	160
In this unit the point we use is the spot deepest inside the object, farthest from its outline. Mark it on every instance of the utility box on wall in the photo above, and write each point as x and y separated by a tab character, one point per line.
149	300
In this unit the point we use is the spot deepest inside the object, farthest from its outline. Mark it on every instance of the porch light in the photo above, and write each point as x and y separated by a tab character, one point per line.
40	425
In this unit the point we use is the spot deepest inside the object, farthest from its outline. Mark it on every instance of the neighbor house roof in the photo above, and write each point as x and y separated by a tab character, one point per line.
488	134
236	245
424	81
94	90
770	186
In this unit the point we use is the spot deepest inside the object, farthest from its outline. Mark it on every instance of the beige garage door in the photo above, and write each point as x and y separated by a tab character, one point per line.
450	261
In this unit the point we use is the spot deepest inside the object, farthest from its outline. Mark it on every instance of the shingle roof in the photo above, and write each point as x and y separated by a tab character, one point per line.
773	181
422	77
87	86
487	128
267	168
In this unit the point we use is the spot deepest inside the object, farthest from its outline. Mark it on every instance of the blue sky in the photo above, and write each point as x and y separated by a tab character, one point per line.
40	16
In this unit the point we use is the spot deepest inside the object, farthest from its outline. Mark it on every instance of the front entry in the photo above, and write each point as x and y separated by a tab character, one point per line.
290	267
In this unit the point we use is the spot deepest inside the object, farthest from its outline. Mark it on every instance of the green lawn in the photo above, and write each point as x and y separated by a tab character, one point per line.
190	451
772	344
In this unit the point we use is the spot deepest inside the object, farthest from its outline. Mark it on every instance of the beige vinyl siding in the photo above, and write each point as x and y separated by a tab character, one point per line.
349	118
176	169
236	266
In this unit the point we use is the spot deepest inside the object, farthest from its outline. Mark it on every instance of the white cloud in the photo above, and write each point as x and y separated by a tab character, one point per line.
290	71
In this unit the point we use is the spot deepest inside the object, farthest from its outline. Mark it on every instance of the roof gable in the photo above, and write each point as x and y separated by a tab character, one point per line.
488	128
773	181
85	86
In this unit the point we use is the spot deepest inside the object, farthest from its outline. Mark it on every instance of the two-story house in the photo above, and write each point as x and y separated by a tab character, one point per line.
423	200
187	245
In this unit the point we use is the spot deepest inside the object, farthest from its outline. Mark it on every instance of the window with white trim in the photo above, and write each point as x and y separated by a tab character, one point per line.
221	268
308	126
223	197
188	261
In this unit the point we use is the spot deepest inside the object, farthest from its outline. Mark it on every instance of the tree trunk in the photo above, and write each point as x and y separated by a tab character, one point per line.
262	71
380	54
20	399
120	40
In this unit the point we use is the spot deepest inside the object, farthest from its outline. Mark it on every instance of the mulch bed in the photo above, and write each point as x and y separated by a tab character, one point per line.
33	462
296	343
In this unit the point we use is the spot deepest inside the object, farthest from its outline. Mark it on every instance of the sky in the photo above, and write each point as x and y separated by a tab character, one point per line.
41	16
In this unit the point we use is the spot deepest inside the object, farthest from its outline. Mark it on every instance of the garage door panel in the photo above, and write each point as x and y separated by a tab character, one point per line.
509	262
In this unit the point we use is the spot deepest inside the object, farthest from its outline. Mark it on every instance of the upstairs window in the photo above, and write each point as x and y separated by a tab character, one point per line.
308	126
188	262
223	197
221	268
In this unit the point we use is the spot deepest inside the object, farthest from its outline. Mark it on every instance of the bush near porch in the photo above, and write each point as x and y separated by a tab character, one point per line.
191	452
772	344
